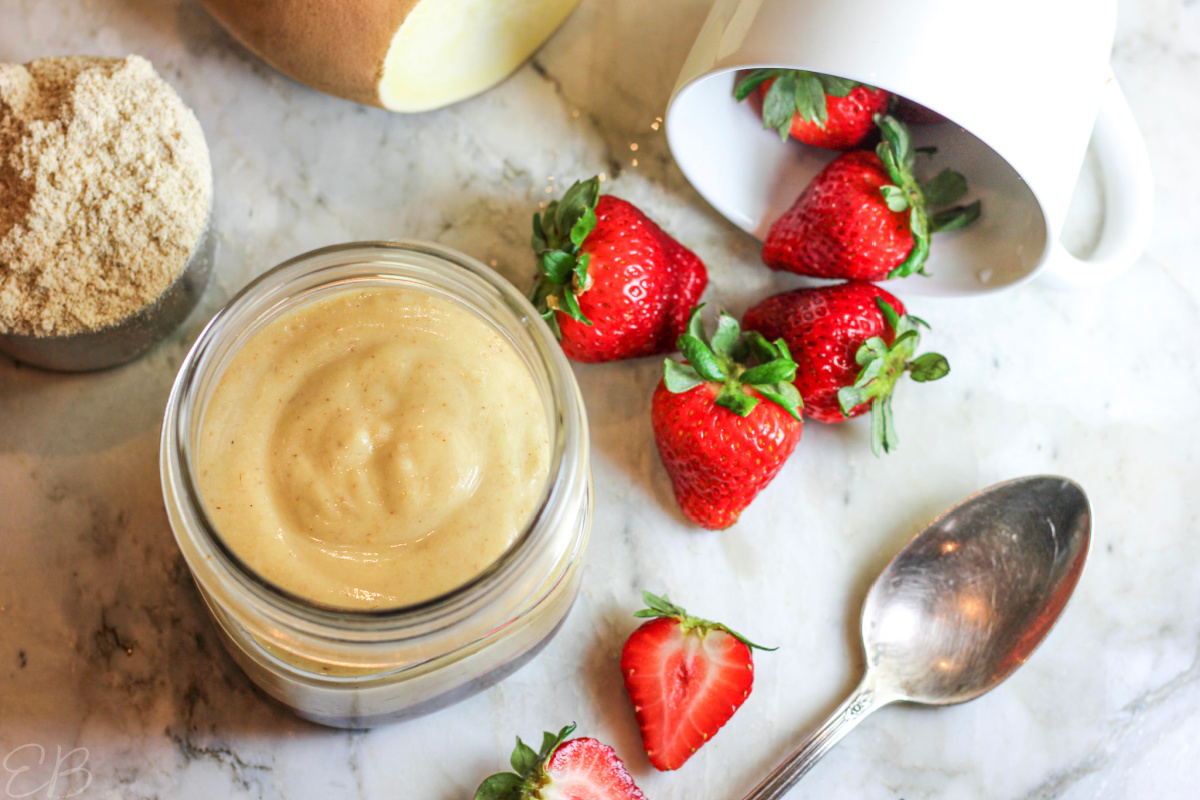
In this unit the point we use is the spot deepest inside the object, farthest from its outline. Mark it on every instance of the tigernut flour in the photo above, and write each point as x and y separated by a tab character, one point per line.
105	189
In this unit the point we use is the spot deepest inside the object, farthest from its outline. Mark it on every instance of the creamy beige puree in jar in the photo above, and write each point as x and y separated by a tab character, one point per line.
375	462
373	449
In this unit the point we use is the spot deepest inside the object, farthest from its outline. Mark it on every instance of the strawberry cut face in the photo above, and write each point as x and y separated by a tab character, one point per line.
685	685
585	769
579	769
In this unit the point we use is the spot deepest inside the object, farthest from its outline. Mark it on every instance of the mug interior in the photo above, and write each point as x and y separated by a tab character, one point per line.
752	177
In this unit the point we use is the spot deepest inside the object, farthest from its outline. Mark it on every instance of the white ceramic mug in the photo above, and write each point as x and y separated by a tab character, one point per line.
1026	83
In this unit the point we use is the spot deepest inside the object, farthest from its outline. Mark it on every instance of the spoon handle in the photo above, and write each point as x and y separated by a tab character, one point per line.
861	702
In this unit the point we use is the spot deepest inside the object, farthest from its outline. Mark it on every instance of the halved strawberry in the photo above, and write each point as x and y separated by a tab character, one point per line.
581	769
685	677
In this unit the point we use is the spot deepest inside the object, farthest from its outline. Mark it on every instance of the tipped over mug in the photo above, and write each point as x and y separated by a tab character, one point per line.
1024	86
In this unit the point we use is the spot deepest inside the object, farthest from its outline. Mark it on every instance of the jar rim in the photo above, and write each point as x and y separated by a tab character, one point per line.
568	431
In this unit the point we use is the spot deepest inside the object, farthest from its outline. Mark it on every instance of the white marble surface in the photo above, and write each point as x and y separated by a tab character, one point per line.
103	643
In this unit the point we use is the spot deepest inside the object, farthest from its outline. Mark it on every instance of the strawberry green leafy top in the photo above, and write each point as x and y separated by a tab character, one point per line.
663	607
529	770
724	359
562	268
795	91
882	366
905	192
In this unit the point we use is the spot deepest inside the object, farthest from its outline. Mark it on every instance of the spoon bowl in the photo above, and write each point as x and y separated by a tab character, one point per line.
969	598
964	604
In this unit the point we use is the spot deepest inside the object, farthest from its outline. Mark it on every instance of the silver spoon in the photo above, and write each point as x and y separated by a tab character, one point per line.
960	607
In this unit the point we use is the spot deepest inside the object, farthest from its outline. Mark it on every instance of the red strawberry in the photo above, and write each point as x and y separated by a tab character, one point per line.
816	109
685	677
720	445
851	343
581	769
690	279
865	217
612	284
841	226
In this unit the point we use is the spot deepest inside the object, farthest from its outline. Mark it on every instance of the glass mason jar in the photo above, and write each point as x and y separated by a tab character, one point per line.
355	668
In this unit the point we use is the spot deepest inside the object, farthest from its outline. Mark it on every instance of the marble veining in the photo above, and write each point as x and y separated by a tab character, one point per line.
105	651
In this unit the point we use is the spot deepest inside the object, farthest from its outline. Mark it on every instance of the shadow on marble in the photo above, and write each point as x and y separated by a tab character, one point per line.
66	414
610	706
618	400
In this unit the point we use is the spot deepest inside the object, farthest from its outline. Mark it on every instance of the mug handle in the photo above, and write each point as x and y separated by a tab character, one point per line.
1128	200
